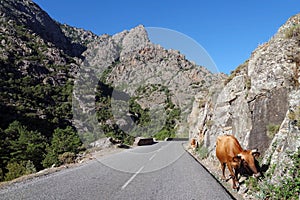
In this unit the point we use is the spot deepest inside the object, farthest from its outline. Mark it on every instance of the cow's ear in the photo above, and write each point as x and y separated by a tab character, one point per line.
255	153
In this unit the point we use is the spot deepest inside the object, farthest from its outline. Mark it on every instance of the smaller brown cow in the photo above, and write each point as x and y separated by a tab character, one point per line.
193	143
230	153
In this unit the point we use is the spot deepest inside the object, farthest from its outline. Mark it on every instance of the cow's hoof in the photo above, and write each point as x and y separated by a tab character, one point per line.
235	189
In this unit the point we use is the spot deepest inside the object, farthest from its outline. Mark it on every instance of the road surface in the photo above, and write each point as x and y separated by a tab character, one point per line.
160	171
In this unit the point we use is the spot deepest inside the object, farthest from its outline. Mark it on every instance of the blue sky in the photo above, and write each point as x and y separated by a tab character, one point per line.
228	30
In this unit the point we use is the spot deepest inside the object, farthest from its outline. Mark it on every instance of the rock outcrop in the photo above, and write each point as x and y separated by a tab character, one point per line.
258	103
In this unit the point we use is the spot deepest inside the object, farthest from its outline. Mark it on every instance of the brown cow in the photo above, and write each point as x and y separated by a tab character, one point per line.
230	153
193	143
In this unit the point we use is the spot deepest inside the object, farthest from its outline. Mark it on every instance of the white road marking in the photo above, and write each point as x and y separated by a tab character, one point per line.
152	156
158	150
134	175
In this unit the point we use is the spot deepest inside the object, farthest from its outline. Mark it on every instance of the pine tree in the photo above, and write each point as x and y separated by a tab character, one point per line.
25	145
63	140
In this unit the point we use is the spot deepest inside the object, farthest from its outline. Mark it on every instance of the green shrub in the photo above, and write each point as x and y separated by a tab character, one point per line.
50	159
29	166
129	140
163	134
144	114
15	170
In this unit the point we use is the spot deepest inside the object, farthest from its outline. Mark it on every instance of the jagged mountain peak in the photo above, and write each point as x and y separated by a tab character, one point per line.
132	40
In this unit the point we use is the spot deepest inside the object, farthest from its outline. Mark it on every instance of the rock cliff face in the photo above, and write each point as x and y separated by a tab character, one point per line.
259	103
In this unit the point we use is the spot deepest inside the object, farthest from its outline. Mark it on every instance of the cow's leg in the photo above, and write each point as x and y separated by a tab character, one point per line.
234	178
236	173
223	166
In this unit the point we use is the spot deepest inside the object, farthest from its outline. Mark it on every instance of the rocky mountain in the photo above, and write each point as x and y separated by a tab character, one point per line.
57	80
146	76
260	105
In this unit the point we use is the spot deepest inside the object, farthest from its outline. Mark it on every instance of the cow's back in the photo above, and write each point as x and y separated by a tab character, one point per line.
227	147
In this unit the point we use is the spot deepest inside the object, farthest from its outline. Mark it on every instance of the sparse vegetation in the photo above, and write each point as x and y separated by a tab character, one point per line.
287	188
248	83
202	152
237	71
294	116
293	32
209	123
272	129
252	183
202	103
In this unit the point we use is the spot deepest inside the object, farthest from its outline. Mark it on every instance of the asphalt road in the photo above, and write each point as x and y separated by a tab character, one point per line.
160	171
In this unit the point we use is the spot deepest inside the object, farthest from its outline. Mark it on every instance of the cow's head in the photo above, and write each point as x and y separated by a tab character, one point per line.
248	161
